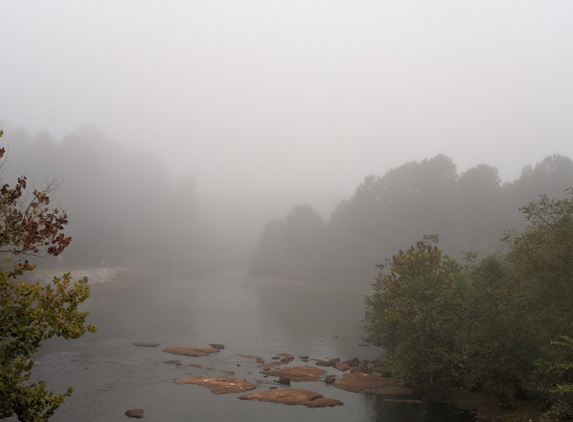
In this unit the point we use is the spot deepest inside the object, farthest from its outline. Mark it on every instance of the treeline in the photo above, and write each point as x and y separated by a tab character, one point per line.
123	210
470	211
502	325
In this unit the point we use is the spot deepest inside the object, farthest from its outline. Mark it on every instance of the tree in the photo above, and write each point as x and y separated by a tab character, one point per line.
32	313
415	313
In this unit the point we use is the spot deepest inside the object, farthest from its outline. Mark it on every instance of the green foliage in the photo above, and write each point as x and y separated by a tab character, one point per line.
31	313
414	313
555	373
501	325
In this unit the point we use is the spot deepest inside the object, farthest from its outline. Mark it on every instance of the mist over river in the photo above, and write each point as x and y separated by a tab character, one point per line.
110	375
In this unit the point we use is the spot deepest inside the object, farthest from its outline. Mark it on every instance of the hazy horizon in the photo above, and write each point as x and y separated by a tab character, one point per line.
296	97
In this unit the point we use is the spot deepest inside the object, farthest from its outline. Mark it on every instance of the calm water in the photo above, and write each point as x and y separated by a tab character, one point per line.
110	375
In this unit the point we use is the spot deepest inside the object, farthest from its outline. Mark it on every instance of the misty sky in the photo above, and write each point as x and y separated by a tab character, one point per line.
296	96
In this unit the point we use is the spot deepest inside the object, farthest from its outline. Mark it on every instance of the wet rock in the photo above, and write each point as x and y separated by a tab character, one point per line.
334	360
297	373
382	370
250	356
359	382
228	372
287	359
219	385
218	346
284	380
260	360
173	362
190	351
292	397
134	413
342	366
330	379
374	384
324	402
362	369
303	357
195	365
276	358
145	344
304	360
273	388
323	363
353	362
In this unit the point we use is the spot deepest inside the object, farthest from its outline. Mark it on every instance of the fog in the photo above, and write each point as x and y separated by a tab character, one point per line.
266	105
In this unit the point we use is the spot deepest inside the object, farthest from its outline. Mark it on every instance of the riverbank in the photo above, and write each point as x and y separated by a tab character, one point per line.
487	408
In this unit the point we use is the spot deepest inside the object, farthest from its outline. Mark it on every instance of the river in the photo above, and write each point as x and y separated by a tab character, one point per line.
110	375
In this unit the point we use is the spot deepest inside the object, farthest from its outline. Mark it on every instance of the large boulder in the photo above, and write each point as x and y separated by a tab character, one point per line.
219	385
190	351
294	396
296	373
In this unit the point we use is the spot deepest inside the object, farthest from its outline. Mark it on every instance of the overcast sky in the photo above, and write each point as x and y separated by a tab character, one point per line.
296	96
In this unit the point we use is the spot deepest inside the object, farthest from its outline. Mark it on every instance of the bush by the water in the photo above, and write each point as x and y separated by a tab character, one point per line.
501	325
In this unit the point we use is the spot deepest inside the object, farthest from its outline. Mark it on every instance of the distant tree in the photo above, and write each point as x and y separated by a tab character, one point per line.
32	313
302	236
269	260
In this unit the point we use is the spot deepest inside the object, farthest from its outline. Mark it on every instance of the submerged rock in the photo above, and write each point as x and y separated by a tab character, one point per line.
250	356
219	385
291	397
190	351
134	413
173	362
145	344
374	384
195	365
228	372
297	373
355	382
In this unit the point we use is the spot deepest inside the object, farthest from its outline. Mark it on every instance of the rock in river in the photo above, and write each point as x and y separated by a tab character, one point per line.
134	413
145	344
217	346
219	385
190	351
297	373
301	397
374	384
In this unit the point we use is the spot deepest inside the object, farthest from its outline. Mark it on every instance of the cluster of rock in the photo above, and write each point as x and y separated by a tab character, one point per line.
369	377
